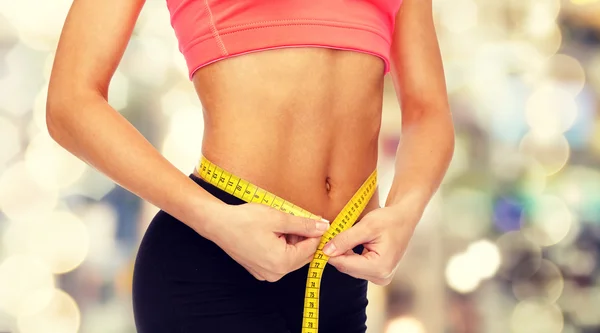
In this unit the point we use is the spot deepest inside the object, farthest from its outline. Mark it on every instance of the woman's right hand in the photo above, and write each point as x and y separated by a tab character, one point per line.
254	235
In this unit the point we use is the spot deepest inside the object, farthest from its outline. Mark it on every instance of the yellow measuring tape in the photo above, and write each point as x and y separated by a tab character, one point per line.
248	192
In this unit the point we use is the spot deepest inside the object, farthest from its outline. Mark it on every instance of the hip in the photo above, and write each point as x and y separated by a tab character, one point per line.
194	284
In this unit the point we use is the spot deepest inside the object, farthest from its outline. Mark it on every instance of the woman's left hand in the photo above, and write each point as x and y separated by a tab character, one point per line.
384	233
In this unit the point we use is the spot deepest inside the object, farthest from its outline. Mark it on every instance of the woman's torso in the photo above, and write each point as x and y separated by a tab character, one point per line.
302	123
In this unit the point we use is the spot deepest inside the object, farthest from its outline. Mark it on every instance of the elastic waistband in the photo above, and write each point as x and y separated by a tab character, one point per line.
202	52
217	192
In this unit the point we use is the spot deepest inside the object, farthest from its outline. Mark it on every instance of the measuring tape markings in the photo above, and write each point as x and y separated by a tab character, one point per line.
248	192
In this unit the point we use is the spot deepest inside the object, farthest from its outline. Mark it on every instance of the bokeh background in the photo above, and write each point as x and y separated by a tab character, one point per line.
510	243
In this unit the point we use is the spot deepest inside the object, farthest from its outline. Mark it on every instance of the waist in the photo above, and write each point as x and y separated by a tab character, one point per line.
317	174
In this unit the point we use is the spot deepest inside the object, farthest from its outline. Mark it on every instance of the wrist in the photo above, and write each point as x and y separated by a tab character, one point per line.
410	203
206	215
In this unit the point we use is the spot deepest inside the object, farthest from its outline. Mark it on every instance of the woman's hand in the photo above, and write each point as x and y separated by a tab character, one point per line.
385	233
254	235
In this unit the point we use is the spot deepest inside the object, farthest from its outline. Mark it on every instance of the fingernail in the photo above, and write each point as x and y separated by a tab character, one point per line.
329	249
322	226
324	220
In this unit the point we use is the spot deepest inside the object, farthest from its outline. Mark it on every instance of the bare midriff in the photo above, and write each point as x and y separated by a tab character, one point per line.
302	123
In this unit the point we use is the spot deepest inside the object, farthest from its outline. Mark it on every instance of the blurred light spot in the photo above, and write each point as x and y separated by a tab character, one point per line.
21	197
490	89
579	187
534	178
593	69
154	21
595	137
550	221
61	315
567	71
575	262
156	48
62	240
469	210
11	145
15	236
95	314
39	109
50	165
572	194
583	2
405	325
18	89
461	274
180	65
551	42
93	184
148	60
551	111
542	18
508	213
539	24
23	280
185	130
520	257
182	96
507	163
551	8
39	28
7	33
485	256
460	16
545	284
525	58
570	328
536	317
101	221
570	296
550	152
505	121
118	91
584	303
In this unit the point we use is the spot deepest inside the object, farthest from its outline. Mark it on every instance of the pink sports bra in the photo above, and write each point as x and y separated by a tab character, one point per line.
212	30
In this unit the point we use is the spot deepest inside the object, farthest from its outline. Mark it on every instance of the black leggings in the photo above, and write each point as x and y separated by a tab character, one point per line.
184	283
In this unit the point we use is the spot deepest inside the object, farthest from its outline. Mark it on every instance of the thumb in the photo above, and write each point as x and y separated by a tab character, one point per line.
302	226
347	240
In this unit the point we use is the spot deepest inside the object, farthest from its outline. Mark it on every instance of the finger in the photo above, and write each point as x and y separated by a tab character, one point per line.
361	233
301	253
369	267
302	226
358	266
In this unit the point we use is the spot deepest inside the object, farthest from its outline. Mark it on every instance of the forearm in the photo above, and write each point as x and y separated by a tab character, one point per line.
424	153
90	129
